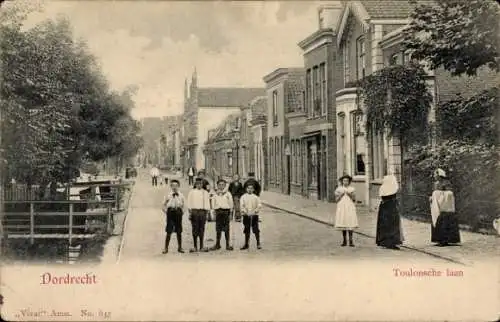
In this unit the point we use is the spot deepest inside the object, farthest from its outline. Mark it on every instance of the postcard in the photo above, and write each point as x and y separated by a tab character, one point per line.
249	161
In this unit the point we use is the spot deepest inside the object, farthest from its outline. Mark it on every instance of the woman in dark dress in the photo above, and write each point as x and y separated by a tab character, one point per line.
445	229
389	232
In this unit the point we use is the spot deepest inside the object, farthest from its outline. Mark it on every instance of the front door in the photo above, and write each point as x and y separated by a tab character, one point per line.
313	169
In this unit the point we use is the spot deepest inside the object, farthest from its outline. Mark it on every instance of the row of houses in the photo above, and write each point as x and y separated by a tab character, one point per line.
307	128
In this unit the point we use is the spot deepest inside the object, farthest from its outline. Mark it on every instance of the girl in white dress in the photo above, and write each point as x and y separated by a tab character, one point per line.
345	216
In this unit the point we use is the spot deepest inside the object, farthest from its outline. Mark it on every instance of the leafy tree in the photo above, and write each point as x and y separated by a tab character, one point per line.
458	35
58	109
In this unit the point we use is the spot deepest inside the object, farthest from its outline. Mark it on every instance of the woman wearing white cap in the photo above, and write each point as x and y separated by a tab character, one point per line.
389	234
445	229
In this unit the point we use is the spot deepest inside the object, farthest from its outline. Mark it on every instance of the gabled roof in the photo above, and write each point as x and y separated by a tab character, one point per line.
391	9
259	106
367	11
227	97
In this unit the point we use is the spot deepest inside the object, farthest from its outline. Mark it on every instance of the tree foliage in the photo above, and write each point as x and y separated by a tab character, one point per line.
472	120
396	98
58	110
472	168
458	35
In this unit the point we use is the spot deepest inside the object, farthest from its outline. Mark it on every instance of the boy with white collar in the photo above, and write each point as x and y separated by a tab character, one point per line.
250	207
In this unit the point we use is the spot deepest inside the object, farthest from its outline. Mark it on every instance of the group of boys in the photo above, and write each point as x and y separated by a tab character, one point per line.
199	204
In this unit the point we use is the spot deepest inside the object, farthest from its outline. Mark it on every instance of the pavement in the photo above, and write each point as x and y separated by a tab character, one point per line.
474	247
292	227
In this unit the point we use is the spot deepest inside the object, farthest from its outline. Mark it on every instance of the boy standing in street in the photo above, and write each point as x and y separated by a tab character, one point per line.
173	207
250	206
223	204
236	189
198	205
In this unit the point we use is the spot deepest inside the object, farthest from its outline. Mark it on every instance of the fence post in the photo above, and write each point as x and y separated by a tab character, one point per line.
32	223
70	233
108	228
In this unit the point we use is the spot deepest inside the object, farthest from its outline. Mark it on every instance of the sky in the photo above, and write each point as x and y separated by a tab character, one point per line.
155	45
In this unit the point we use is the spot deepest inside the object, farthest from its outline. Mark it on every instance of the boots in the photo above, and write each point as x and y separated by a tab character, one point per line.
217	242
257	238
179	243
344	236
228	246
351	244
247	240
167	242
195	243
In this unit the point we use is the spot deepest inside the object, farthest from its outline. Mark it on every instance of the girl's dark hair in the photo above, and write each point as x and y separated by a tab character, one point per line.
221	181
175	181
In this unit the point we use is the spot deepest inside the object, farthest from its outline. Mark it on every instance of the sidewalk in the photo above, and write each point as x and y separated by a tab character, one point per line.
417	234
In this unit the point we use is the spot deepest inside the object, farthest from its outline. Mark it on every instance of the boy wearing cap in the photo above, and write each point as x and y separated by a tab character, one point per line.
223	204
198	204
173	207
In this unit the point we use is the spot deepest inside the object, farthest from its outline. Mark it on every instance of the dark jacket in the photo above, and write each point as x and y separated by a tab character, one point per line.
236	189
255	184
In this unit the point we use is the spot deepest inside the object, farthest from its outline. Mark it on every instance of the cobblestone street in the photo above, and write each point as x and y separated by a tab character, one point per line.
284	235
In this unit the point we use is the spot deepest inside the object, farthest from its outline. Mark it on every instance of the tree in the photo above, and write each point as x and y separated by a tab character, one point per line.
58	109
458	35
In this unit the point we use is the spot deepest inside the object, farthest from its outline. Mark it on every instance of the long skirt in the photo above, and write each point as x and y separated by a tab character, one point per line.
389	232
446	229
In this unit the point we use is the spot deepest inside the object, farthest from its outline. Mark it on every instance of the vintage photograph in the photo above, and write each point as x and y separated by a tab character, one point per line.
249	160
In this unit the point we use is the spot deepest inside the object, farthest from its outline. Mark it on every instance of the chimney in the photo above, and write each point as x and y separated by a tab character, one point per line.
329	15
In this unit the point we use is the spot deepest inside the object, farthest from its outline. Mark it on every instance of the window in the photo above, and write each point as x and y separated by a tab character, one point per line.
277	164
317	92
379	155
322	75
345	53
394	59
341	127
304	101
358	144
230	159
292	148
275	108
361	55
308	97
271	159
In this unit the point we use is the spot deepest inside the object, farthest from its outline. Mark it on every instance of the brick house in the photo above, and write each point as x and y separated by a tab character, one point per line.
210	104
219	147
258	127
296	117
319	144
369	39
279	84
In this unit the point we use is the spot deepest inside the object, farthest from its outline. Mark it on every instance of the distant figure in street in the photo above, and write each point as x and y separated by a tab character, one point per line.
445	229
345	216
198	204
223	204
389	232
191	171
155	173
205	184
173	207
250	208
252	181
236	190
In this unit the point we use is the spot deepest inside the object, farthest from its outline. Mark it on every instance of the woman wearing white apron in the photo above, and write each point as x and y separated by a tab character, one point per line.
345	216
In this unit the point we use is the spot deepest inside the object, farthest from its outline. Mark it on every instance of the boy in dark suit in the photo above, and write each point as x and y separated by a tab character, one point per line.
173	206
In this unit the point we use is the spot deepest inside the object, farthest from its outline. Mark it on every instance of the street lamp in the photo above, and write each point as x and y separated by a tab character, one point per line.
236	141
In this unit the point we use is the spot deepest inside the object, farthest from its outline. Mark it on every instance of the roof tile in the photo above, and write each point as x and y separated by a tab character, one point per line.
396	9
227	97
